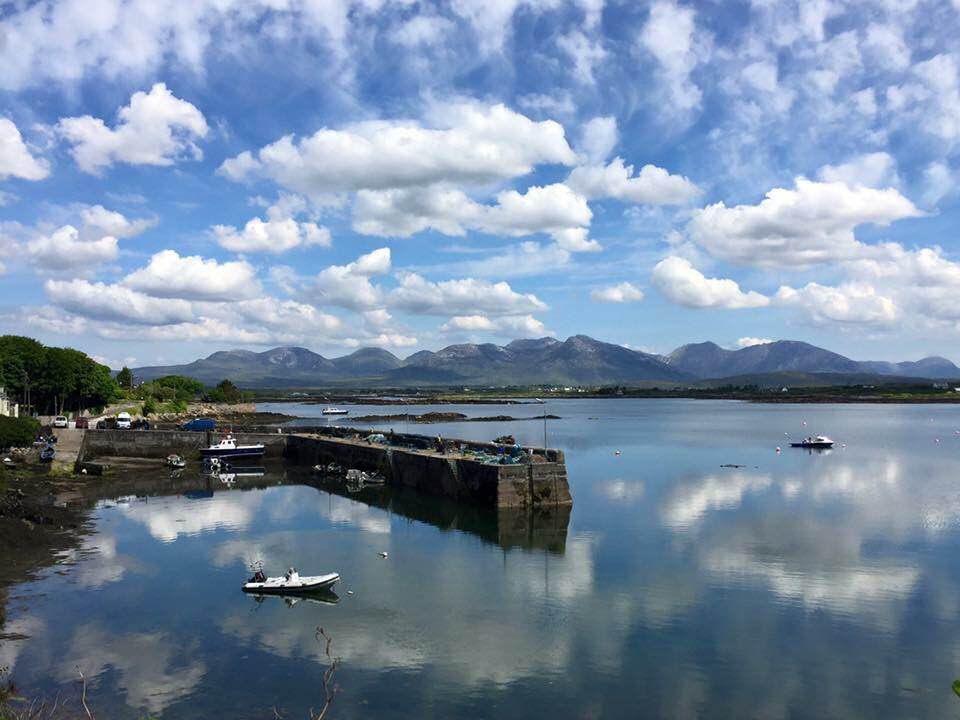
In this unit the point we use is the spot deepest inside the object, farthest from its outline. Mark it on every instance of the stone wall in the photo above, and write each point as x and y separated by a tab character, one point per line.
160	443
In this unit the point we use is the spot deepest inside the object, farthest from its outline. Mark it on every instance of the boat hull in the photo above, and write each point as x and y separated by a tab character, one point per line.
278	586
812	445
255	451
338	412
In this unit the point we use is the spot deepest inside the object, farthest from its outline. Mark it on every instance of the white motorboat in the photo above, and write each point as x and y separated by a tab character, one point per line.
330	410
820	441
228	447
291	582
175	461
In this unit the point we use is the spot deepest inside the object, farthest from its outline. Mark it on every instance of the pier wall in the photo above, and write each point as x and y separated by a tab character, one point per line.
413	464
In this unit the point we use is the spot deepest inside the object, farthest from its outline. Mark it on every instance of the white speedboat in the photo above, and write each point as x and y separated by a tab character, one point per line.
820	441
291	582
228	447
329	410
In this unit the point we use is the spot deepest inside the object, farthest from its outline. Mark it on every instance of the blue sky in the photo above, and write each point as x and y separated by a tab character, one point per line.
177	178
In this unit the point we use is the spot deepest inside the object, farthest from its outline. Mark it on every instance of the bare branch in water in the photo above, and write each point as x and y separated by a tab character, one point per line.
330	689
83	696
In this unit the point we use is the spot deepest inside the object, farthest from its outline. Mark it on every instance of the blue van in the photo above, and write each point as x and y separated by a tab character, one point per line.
199	425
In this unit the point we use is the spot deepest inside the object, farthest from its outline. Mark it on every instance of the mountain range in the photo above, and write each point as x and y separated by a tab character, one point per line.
578	360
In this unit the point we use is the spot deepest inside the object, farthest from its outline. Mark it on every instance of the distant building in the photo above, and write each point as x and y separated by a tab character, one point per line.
8	408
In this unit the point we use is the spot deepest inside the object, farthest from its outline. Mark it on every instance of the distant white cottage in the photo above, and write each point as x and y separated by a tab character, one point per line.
8	408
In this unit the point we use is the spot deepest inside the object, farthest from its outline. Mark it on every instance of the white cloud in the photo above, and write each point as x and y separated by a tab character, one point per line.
751	341
64	249
598	138
271	236
850	303
586	54
156	128
683	284
810	224
670	36
553	209
170	275
469	143
98	218
421	30
878	169
623	293
651	186
349	285
468	296
940	181
519	326
520	260
115	303
15	158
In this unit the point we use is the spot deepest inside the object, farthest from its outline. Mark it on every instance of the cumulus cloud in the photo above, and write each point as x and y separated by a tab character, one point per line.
100	301
623	293
857	303
813	223
65	249
683	284
520	260
878	169
170	275
519	326
15	158
469	144
651	186
349	285
468	296
156	128
553	209
271	236
598	138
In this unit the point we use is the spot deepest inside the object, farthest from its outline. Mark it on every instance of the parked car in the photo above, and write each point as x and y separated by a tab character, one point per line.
140	424
199	425
83	422
107	424
60	421
123	421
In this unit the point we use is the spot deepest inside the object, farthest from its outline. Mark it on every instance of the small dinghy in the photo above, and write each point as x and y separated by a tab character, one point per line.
820	441
175	461
290	583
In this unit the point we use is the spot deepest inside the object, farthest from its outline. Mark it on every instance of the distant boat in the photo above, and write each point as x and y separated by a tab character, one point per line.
289	583
334	411
228	447
820	441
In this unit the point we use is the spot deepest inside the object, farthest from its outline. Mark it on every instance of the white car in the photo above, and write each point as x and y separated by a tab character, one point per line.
60	422
123	421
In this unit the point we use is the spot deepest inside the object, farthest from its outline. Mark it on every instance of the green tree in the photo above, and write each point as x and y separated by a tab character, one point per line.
225	391
17	432
149	407
125	378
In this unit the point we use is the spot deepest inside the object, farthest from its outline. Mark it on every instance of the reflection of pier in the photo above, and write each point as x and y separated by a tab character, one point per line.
540	528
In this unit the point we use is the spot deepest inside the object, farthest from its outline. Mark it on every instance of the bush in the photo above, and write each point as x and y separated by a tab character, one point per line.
149	407
18	432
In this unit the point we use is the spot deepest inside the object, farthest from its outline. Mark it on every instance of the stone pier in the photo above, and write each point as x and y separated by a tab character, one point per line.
407	460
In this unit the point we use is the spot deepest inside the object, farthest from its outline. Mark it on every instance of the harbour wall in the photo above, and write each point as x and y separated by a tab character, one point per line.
407	461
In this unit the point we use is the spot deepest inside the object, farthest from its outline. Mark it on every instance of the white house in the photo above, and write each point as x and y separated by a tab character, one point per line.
8	408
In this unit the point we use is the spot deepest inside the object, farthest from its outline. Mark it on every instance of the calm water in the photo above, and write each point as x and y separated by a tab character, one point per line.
800	586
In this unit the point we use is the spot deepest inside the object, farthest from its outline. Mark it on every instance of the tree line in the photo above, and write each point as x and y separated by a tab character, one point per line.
51	380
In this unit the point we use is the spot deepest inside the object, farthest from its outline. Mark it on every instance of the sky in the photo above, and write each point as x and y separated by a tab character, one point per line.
179	178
